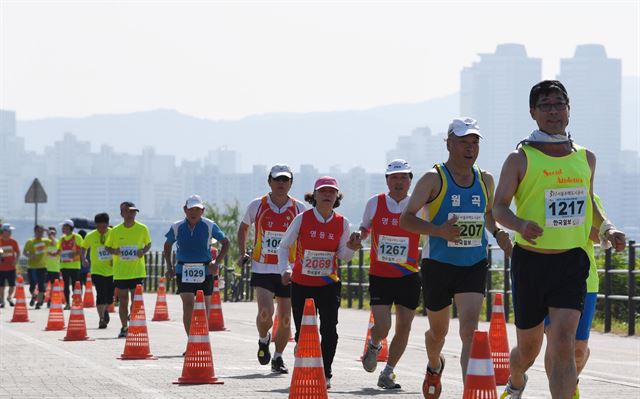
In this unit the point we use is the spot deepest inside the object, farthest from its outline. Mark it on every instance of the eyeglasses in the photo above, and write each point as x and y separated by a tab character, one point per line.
282	179
546	107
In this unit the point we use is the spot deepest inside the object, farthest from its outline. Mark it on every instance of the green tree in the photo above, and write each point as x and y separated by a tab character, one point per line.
229	220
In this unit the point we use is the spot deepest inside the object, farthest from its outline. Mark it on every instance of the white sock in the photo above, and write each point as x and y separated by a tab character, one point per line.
266	339
277	355
379	346
388	370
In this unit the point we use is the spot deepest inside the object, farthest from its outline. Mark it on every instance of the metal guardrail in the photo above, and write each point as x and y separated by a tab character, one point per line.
234	282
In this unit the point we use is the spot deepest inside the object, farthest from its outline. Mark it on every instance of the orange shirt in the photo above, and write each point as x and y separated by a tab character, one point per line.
10	252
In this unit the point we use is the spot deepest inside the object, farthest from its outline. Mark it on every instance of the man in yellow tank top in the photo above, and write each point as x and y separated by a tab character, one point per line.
551	180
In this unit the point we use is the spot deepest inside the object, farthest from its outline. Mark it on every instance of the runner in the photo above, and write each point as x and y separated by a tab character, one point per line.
53	259
9	253
589	310
69	245
272	214
128	242
459	199
101	266
393	275
194	268
322	237
551	180
35	250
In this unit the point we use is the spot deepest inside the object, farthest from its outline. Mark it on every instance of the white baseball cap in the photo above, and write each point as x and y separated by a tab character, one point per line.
68	222
281	170
195	201
6	227
398	166
464	126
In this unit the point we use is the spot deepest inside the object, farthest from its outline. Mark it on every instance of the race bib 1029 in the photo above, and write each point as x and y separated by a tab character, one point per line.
193	273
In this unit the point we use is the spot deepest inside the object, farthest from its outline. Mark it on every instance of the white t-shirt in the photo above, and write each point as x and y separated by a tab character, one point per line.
291	235
250	218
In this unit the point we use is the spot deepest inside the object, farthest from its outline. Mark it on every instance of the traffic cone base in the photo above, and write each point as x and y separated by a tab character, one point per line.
198	361
136	346
308	380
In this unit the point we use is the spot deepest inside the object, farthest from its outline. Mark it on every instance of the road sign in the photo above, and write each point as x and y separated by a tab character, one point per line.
35	194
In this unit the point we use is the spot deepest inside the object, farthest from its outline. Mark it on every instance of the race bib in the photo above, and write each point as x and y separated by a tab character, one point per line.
317	263
129	253
103	254
565	207
471	226
271	241
39	248
393	249
6	250
193	273
66	255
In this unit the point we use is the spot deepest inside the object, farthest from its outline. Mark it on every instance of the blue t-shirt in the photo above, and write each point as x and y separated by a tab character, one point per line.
193	246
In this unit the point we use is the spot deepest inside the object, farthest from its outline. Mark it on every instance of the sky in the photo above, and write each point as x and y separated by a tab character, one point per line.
227	60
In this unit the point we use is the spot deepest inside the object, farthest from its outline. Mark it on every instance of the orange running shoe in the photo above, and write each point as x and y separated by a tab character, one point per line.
431	386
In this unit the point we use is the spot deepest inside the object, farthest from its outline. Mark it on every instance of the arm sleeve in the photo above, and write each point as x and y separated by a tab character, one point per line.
369	212
290	236
250	215
344	252
170	236
217	233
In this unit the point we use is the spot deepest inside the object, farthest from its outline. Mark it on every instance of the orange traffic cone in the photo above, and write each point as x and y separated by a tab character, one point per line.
499	342
89	301
308	379
20	314
384	352
77	329
275	328
161	312
56	316
137	345
47	293
112	305
480	382
216	319
198	361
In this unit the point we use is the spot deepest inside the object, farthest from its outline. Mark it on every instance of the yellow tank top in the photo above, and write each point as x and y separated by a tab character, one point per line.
554	193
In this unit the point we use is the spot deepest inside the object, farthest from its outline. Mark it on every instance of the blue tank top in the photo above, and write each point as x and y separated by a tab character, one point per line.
469	204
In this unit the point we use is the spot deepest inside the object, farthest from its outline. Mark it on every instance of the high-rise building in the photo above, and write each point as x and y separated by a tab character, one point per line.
495	91
594	83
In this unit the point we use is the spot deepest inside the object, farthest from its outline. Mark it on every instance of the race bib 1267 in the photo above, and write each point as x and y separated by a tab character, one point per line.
393	249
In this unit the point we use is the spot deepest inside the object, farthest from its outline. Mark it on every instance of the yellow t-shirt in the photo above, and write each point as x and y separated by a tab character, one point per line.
69	246
53	258
127	240
101	260
38	248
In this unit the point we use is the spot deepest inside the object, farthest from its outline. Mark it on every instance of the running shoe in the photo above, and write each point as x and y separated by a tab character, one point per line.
123	332
277	366
11	303
263	351
431	386
102	325
512	393
1	304
388	381
106	318
38	305
32	301
328	382
370	357
576	393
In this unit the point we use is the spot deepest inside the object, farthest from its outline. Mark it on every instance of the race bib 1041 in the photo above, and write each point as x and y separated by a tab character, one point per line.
565	207
271	241
193	273
393	249
471	226
129	252
317	263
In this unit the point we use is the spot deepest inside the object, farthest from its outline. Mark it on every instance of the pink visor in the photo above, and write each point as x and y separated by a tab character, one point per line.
326	181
